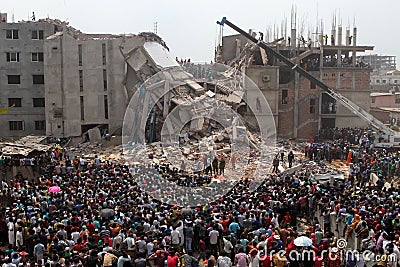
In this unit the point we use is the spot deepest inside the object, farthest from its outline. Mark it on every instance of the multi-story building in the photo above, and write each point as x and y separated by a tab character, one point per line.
61	82
22	82
384	76
90	78
380	62
300	108
385	81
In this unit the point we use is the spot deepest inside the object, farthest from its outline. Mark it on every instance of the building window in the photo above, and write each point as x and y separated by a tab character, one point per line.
80	55
373	99
383	81
37	57
11	34
37	35
378	81
38	102
82	109
105	107
313	85
105	80
284	96
14	79
40	125
312	106
14	102
38	79
397	101
81	80
12	56
103	53
16	125
395	81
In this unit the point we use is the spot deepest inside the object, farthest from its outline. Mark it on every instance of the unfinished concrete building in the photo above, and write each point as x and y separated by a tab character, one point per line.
300	108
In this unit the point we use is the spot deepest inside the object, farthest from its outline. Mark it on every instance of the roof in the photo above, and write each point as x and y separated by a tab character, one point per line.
393	72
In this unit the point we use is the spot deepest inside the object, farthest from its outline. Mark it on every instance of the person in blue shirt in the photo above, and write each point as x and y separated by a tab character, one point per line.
234	227
349	220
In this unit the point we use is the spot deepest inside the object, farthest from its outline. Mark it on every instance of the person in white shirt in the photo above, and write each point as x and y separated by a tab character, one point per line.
122	259
214	241
176	239
19	240
117	241
227	246
130	243
9	263
11	234
224	261
180	229
75	235
38	251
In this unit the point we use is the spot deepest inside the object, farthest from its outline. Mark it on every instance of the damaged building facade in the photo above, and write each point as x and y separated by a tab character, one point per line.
90	79
61	82
299	107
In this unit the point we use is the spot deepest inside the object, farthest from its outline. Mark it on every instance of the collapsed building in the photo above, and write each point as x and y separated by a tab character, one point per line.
91	77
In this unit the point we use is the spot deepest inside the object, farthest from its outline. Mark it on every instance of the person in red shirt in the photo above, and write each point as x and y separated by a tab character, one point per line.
107	240
286	220
202	250
319	260
173	259
265	260
225	222
90	226
79	247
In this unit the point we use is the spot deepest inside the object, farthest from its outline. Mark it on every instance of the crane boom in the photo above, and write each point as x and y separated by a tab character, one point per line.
361	113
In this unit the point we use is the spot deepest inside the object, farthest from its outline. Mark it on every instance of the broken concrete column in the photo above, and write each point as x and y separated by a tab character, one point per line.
94	135
339	38
347	37
238	43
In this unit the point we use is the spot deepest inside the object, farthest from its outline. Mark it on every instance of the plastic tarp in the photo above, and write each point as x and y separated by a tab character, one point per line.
160	55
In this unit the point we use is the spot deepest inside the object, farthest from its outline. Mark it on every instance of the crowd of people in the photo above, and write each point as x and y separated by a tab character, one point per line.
98	215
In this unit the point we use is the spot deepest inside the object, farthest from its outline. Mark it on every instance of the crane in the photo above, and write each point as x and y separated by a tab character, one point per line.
361	113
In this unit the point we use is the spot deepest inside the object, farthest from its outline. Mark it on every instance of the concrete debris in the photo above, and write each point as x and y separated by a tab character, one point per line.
94	135
25	146
210	94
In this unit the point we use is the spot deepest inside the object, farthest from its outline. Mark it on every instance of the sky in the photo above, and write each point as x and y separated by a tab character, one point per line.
189	27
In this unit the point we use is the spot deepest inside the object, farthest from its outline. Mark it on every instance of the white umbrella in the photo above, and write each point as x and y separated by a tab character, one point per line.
303	241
